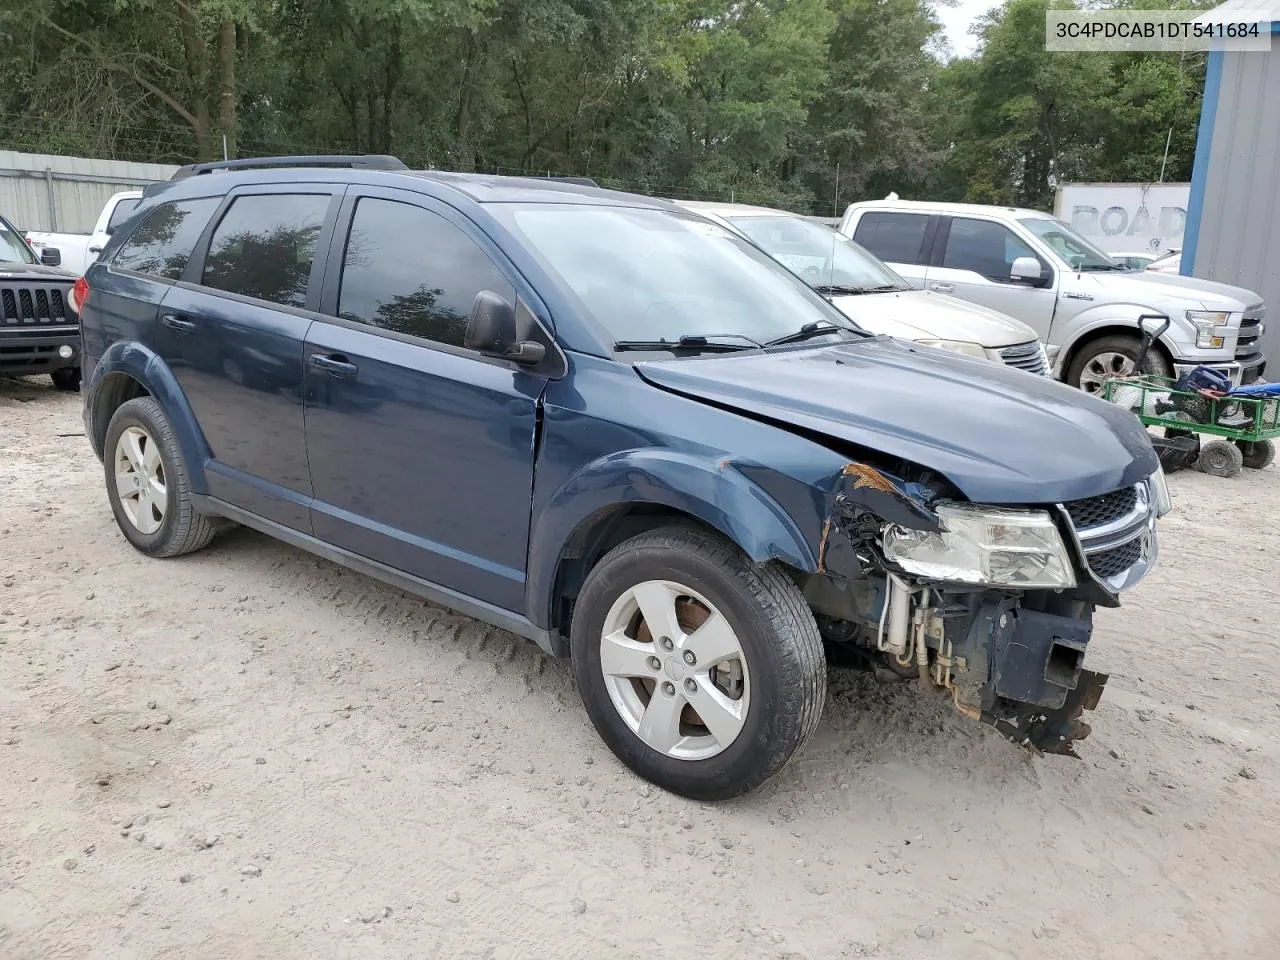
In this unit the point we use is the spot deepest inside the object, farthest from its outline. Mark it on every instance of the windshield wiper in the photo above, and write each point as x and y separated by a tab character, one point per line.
845	289
700	341
817	328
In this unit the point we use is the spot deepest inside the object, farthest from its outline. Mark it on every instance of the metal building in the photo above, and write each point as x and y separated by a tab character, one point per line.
66	194
1233	217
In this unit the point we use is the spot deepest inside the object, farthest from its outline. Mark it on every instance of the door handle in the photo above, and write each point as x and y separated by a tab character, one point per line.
177	323
95	249
942	287
335	363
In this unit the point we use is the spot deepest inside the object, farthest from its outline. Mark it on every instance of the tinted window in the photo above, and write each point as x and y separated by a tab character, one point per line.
423	287
983	247
120	214
264	247
161	245
896	237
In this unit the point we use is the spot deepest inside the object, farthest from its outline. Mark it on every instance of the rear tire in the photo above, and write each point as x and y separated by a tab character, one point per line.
1220	458
1256	455
760	618
1113	356
66	378
148	484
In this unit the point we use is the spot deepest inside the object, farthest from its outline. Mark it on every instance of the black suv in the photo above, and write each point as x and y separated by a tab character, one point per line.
38	328
611	426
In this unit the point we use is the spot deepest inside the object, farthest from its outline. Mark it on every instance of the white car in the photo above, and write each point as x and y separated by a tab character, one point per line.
1171	262
870	293
80	250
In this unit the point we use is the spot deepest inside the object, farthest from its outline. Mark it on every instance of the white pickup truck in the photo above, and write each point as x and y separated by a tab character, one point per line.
80	250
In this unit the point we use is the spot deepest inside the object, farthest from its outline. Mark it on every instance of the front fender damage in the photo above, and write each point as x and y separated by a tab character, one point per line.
1011	659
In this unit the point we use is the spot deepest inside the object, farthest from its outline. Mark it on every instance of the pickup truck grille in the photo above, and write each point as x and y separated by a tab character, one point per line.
1251	329
33	306
1114	530
1026	356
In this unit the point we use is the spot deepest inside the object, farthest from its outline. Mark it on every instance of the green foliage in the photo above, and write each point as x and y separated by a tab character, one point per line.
756	100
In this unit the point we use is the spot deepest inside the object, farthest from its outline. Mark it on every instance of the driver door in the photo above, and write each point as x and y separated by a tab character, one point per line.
421	450
972	260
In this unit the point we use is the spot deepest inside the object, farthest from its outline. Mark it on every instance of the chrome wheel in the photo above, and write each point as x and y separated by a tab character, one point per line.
1103	367
140	482
675	670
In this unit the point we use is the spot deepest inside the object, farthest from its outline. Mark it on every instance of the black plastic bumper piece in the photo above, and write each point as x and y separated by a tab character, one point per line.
23	352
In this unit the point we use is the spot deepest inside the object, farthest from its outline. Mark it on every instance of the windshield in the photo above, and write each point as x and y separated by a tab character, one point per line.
653	275
12	247
1069	245
819	255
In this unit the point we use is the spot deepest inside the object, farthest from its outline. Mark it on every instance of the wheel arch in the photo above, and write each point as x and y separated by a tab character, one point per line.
129	370
1105	328
604	504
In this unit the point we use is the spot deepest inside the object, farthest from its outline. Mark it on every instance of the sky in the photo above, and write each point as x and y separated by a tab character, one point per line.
957	20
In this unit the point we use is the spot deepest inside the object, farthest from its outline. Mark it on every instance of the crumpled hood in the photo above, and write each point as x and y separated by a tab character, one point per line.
1144	285
999	434
921	315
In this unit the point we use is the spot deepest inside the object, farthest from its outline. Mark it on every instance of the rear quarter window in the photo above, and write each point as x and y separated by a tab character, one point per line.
161	245
894	237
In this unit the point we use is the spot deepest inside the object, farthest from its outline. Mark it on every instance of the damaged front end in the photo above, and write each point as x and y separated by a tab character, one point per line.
992	604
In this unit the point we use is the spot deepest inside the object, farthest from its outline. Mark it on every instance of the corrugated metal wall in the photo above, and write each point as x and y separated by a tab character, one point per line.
1239	240
41	192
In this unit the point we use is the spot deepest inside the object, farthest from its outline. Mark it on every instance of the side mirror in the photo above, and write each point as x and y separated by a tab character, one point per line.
51	257
1025	270
492	330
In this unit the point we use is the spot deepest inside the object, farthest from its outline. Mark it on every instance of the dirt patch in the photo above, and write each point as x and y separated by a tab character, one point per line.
250	752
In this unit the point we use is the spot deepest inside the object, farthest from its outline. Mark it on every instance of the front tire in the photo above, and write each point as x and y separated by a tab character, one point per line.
1220	458
703	672
1113	357
148	484
1257	454
66	378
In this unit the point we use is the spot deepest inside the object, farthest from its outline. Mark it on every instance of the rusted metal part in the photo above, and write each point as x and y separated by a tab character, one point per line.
868	490
862	500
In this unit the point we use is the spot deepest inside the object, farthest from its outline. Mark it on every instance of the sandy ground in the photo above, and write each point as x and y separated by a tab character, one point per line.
251	753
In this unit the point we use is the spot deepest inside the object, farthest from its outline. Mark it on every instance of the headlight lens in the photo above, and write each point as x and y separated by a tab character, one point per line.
1160	492
989	545
1212	329
957	346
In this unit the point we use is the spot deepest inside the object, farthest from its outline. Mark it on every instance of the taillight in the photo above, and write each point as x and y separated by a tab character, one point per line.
79	295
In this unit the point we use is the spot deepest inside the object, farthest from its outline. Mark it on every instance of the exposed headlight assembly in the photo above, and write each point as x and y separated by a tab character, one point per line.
957	346
995	546
1212	328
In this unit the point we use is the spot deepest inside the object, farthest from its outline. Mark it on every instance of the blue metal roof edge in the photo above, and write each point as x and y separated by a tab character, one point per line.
1200	166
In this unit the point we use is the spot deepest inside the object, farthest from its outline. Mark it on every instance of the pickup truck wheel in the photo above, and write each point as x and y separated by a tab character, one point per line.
148	485
703	672
68	378
1109	357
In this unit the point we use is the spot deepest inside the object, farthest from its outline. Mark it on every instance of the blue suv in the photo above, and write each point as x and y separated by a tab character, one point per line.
615	428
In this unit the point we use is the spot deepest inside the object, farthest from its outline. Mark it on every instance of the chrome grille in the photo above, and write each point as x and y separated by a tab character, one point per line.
1026	356
1114	530
1251	329
1095	511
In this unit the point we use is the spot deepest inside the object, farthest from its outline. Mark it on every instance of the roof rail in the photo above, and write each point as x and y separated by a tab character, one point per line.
369	162
580	181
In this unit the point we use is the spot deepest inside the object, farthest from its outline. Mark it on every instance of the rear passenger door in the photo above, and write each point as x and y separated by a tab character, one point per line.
973	259
421	450
899	239
232	332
